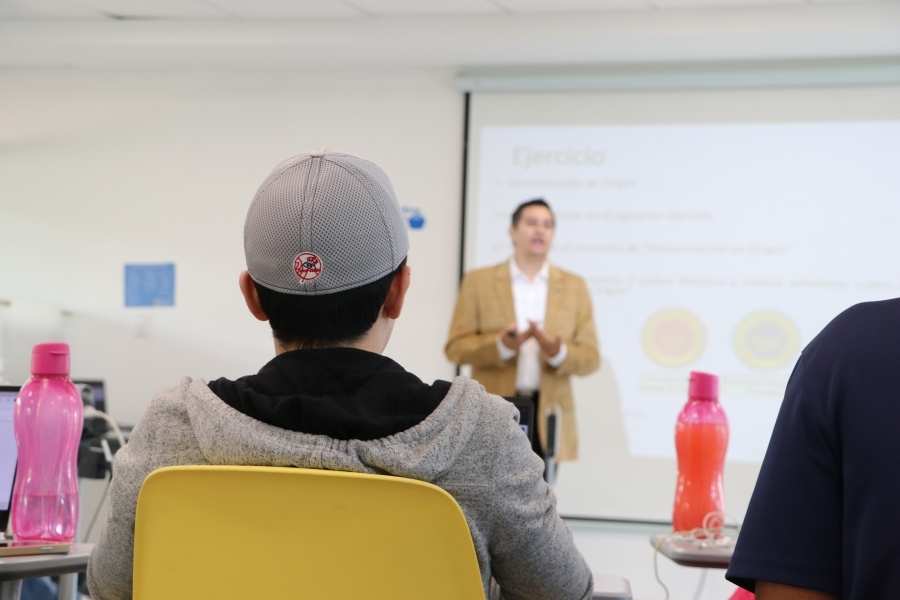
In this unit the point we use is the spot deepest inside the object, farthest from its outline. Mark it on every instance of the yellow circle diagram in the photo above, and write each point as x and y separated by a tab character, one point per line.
766	339
673	337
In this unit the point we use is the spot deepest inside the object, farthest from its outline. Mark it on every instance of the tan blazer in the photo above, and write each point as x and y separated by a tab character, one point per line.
485	308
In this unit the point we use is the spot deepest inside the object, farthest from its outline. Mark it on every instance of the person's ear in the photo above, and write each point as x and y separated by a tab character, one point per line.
251	297
393	303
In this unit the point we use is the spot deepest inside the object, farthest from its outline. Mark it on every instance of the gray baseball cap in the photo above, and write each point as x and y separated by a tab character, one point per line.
324	223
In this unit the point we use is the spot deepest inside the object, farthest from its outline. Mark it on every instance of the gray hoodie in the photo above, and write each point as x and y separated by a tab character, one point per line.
470	445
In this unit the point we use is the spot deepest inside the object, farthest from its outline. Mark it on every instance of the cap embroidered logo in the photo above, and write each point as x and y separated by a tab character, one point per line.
308	266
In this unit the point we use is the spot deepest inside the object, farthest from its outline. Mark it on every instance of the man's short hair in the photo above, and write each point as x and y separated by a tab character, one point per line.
325	320
517	214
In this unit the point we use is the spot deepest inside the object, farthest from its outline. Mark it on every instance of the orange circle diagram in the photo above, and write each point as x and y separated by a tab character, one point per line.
766	339
673	337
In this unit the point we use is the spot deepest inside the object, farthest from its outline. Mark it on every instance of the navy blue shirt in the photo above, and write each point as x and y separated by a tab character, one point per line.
825	513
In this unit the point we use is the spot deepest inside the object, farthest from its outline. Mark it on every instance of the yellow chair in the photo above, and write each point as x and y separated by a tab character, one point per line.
247	533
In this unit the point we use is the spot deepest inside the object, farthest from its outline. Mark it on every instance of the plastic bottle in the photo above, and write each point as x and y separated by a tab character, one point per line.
701	440
47	420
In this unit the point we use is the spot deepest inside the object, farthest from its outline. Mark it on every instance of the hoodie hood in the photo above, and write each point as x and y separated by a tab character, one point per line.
425	450
343	393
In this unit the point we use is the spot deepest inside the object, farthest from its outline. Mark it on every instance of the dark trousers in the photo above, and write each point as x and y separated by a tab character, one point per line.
527	402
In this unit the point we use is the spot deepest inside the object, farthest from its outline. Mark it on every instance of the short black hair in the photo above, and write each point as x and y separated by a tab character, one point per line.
316	321
517	214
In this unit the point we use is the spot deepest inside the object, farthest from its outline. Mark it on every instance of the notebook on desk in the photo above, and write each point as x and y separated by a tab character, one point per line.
8	455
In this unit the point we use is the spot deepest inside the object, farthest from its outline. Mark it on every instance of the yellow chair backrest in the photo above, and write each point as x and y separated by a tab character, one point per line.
244	533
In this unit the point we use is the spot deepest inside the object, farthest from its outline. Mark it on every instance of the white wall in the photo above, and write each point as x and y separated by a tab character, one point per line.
101	169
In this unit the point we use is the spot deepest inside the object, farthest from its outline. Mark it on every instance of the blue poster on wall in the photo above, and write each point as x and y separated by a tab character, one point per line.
150	284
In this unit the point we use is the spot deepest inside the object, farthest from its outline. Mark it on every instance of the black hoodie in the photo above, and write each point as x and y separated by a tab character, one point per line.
343	393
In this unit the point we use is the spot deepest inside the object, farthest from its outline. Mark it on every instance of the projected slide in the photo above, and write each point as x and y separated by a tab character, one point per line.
720	247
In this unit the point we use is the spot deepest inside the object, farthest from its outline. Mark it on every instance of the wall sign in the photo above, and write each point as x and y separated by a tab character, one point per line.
150	284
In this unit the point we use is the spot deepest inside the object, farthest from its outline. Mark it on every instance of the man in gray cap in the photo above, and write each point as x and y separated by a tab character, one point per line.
326	254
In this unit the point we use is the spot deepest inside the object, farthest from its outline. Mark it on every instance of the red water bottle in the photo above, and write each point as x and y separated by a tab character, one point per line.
47	420
701	440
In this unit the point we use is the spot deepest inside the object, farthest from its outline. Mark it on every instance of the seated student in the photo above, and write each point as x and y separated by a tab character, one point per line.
823	522
326	250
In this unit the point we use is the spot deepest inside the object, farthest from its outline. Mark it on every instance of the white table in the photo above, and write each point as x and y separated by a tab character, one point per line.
14	569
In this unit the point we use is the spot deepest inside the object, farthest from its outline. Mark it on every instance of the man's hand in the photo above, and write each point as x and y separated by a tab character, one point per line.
512	339
550	344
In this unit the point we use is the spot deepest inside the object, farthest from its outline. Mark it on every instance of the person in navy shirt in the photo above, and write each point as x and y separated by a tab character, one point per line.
824	519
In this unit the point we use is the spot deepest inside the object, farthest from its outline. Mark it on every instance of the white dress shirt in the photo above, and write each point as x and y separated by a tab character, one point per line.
530	301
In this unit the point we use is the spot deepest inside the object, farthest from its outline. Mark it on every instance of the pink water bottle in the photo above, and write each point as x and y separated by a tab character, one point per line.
701	440
47	420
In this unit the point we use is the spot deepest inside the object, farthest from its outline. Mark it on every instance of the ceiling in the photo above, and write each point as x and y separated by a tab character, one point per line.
278	35
237	10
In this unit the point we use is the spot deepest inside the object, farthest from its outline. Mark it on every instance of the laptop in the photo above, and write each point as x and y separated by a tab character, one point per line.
8	453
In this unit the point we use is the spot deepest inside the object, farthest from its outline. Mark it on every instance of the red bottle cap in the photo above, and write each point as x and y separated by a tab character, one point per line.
50	359
703	386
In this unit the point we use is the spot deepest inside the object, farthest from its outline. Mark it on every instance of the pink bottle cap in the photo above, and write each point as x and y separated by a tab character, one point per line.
50	359
703	386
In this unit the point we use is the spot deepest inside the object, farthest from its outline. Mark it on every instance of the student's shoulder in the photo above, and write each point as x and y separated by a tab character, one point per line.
169	408
867	314
495	419
499	444
859	332
490	412
164	434
173	398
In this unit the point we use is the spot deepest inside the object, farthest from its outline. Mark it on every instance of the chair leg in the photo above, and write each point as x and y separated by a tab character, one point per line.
68	586
10	590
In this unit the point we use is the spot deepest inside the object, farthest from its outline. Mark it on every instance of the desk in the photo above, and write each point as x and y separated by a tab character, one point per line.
689	554
15	568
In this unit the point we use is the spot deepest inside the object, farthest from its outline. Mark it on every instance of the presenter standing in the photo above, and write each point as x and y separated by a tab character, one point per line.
526	327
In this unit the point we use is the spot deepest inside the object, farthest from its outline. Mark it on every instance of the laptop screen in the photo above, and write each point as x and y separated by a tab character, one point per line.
7	448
